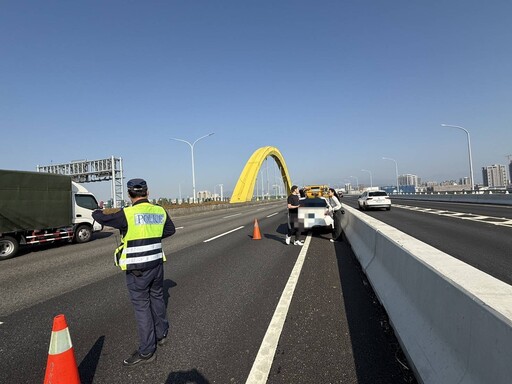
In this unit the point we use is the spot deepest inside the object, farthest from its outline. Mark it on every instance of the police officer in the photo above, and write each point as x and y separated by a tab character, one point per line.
142	227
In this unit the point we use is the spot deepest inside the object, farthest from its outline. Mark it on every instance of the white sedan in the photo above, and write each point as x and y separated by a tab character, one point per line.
313	213
374	199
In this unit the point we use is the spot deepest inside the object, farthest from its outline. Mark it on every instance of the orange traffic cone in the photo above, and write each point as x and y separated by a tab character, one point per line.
256	235
61	366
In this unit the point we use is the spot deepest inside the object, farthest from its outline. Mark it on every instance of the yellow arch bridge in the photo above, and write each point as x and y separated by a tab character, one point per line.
244	189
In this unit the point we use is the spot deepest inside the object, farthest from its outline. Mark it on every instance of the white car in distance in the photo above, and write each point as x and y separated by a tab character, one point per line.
374	199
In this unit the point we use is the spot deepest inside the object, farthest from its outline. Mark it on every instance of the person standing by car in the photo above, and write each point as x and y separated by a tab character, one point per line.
293	217
142	227
333	201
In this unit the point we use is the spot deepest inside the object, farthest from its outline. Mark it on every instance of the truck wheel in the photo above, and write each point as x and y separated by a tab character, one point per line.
8	247
83	234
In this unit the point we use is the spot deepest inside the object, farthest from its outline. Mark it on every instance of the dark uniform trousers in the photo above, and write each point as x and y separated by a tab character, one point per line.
147	296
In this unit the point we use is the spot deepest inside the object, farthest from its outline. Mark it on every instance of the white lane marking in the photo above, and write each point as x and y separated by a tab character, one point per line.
179	227
222	234
1	323
273	214
236	214
263	362
501	221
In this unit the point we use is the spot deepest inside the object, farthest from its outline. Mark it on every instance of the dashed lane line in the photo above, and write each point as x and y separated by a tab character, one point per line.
222	234
501	221
235	214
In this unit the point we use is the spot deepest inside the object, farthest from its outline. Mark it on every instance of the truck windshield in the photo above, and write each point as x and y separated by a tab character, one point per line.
86	201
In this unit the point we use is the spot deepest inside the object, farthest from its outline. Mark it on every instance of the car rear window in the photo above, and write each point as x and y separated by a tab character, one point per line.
315	202
378	194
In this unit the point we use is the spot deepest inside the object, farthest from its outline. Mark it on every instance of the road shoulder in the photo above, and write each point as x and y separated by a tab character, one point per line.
336	330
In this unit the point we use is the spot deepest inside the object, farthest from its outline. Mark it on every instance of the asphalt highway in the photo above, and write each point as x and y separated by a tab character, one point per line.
222	289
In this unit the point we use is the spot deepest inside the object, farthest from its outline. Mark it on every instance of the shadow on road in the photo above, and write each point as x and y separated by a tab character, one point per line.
282	229
101	235
87	367
186	377
377	354
168	284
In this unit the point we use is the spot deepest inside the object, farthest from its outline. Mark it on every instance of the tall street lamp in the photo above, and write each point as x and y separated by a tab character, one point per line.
221	195
357	182
469	152
349	188
371	181
192	153
396	169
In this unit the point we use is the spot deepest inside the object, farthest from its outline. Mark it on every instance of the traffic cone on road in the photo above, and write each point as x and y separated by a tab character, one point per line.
256	235
61	367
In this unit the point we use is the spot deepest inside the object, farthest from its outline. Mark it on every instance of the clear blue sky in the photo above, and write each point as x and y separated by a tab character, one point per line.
334	85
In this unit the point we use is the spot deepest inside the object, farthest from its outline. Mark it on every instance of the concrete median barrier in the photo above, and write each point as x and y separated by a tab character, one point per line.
454	322
177	211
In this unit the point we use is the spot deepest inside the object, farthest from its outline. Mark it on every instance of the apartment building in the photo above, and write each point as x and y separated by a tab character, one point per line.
408	179
495	176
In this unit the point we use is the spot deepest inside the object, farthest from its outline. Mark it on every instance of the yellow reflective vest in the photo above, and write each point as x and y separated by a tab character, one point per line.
141	247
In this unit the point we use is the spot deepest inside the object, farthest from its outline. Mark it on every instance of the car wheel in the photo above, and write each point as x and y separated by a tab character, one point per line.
388	208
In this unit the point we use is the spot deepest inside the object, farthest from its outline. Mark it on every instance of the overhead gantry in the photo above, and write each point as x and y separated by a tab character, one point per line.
244	189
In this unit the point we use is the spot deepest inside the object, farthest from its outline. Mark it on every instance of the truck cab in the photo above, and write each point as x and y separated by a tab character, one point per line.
84	203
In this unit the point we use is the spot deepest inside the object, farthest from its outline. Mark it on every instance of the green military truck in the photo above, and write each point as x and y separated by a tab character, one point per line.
37	208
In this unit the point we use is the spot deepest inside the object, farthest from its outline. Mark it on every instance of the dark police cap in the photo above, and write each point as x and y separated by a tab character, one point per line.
137	185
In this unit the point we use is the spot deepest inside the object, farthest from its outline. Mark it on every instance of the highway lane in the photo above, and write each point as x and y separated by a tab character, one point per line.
478	234
221	297
75	265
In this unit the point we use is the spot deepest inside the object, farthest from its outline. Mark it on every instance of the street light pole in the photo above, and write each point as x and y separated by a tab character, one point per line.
371	180
472	180
357	182
193	168
396	169
221	196
349	185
